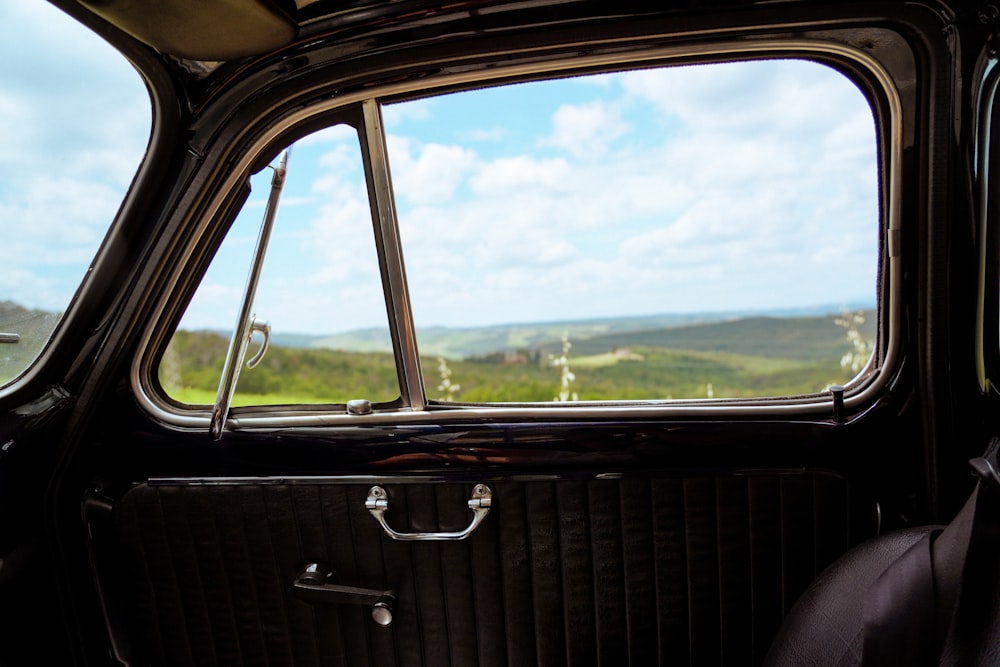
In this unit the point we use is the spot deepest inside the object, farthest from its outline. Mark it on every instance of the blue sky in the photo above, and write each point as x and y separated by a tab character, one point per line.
68	149
734	186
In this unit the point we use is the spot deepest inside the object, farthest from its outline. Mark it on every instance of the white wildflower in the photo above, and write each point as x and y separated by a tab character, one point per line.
447	386
566	376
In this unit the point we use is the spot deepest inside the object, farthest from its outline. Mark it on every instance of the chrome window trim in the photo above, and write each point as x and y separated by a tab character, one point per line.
402	330
861	392
435	478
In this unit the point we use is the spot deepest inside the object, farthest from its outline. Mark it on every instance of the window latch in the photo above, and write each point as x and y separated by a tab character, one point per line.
246	325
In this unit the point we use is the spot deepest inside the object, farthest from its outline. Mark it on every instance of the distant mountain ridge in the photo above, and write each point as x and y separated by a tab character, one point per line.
634	358
696	331
738	332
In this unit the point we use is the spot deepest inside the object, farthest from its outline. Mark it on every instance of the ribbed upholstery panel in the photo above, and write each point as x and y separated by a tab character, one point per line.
696	571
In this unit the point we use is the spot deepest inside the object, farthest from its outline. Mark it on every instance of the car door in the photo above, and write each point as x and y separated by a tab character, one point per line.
406	492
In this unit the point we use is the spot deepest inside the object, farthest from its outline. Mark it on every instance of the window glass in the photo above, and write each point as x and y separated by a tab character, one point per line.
685	232
320	276
74	125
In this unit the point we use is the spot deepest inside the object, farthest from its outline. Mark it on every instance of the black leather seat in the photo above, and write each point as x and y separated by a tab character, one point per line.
921	596
825	627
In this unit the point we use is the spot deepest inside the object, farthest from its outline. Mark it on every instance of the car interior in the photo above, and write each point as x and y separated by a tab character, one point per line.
177	491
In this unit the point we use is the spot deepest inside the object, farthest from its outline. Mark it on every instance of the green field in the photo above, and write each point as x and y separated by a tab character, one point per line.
749	357
640	358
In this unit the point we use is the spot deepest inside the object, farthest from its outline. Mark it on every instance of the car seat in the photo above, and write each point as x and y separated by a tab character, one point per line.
920	596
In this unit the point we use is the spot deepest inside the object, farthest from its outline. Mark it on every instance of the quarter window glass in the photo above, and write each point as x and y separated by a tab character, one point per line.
74	124
686	232
320	275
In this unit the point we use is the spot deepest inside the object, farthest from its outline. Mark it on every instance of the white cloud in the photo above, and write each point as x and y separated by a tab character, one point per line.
73	96
507	175
341	232
720	206
512	246
396	114
849	143
74	124
423	173
330	135
342	158
585	131
769	97
214	306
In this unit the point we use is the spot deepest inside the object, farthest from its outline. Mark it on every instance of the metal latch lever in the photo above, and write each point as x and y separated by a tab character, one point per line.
313	585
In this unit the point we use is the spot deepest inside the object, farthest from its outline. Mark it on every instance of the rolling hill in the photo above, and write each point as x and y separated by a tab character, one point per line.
648	357
742	357
735	330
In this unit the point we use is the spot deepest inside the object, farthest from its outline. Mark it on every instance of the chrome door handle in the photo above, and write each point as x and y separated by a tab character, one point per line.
480	502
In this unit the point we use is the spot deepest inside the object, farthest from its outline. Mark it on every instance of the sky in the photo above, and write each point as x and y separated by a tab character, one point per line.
74	122
740	186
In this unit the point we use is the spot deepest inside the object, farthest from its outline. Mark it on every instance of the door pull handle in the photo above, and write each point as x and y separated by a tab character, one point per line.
313	585
482	499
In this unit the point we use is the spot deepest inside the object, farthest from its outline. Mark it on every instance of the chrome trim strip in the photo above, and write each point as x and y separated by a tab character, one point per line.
301	480
869	384
438	478
803	407
404	338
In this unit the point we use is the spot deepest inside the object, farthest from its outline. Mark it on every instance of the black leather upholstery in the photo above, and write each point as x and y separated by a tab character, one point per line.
696	570
825	626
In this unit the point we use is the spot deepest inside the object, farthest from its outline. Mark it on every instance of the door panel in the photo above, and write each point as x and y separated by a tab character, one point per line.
691	569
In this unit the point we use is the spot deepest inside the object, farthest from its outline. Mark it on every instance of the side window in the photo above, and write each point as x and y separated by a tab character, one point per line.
684	232
74	124
320	276
707	231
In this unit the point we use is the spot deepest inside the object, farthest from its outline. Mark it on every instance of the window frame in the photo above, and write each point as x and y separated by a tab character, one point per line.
873	79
